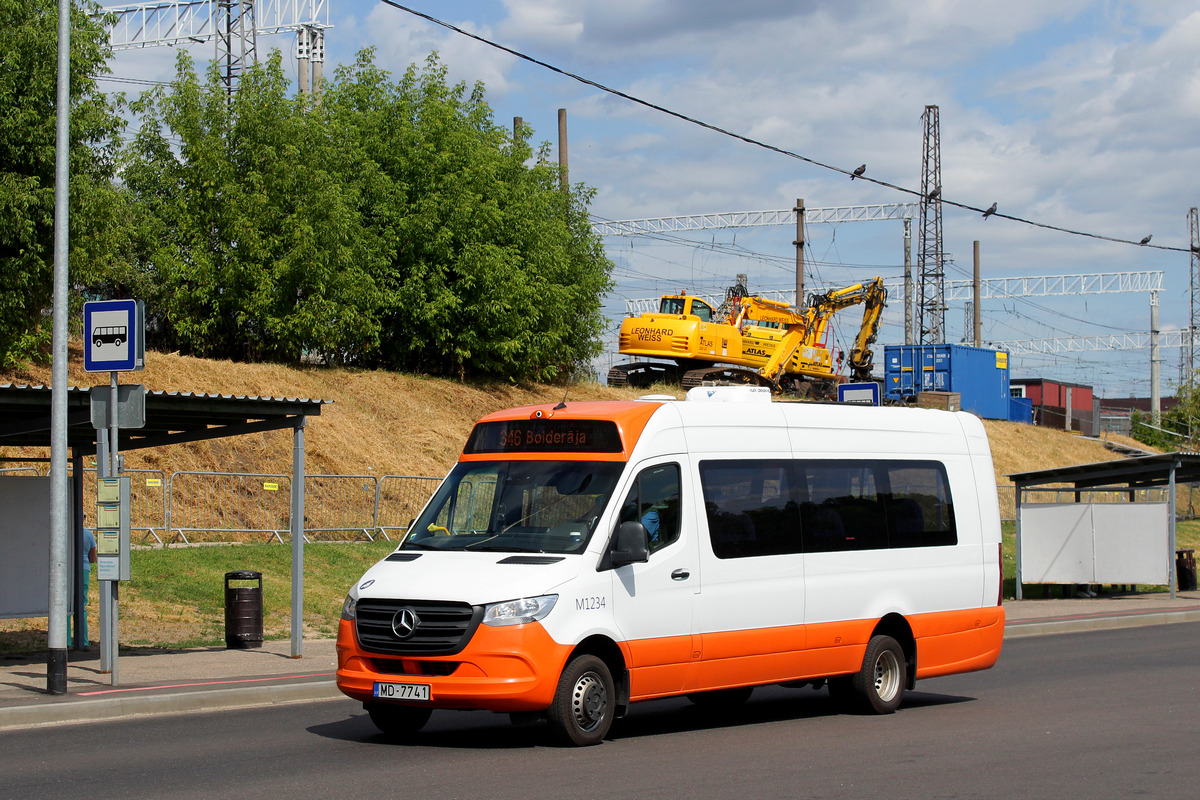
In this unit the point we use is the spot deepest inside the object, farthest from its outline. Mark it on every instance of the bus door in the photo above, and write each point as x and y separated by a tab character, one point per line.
653	601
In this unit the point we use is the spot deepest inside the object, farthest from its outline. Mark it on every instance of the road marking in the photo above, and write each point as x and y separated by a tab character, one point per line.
208	683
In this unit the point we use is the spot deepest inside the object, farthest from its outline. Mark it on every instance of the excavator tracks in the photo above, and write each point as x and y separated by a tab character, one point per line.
641	374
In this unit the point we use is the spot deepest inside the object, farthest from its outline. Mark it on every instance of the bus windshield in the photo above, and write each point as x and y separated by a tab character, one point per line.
516	506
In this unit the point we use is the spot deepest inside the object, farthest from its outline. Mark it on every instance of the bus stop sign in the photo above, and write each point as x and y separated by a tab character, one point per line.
115	336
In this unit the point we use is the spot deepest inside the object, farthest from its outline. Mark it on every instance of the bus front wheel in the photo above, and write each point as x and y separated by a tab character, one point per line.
584	703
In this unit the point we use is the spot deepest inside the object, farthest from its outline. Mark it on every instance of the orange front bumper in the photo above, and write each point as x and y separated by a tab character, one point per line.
512	668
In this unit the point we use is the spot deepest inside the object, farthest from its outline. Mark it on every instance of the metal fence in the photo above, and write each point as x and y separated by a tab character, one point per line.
21	471
399	499
203	506
341	507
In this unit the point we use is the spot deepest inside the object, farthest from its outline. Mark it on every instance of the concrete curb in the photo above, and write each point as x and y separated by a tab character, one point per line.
121	706
1046	627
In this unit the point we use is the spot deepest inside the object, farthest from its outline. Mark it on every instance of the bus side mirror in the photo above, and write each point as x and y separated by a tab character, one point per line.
632	545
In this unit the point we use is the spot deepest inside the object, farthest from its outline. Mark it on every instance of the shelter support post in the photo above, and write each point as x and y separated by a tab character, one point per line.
298	538
1171	529
1017	504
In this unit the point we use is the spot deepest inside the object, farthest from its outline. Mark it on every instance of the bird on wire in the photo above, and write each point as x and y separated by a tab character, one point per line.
1147	239
990	211
859	171
935	194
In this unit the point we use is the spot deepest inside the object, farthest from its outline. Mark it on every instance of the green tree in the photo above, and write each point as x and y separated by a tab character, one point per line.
246	231
28	89
493	270
391	224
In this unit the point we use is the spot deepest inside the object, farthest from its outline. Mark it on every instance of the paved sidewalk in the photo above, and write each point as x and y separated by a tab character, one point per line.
153	681
177	681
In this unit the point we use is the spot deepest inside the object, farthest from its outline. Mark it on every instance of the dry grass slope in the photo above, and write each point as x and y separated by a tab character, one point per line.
388	423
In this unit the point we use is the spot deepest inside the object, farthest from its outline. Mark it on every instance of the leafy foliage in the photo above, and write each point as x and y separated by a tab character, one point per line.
1178	428
28	86
390	224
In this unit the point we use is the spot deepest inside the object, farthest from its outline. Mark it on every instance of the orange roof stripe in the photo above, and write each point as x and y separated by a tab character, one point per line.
630	417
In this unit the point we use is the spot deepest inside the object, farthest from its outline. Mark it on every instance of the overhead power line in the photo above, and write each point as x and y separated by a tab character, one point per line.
856	173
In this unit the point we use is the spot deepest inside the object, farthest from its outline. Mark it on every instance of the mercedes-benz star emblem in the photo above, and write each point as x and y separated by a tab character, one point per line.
404	623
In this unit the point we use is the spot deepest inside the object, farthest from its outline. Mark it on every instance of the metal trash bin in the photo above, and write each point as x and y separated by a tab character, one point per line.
1185	570
243	610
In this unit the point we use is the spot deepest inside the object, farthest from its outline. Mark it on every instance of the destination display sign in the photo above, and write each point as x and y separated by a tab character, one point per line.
544	436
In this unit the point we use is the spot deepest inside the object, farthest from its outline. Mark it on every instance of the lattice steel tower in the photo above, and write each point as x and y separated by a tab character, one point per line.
237	45
931	295
234	25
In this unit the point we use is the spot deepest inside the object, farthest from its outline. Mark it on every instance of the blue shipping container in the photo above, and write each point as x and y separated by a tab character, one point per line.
978	374
1020	409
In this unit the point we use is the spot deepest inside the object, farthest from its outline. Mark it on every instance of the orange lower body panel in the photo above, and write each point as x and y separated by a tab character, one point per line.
513	668
958	641
947	642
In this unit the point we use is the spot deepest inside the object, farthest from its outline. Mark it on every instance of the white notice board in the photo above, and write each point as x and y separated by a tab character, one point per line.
1095	543
25	544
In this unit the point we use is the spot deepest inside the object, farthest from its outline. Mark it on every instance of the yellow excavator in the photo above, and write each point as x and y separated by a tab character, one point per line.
749	339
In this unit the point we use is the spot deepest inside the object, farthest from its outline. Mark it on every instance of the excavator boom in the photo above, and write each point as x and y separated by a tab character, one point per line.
749	338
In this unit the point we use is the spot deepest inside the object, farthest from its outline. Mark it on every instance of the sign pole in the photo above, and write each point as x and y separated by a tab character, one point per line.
114	470
105	608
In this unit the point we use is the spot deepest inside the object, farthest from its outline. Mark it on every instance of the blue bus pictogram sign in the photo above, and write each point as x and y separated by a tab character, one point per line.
114	333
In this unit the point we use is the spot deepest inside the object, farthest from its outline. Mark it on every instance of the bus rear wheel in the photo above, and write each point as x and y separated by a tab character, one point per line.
584	703
878	686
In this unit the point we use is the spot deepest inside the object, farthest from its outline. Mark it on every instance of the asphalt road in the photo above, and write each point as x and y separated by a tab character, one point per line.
1108	714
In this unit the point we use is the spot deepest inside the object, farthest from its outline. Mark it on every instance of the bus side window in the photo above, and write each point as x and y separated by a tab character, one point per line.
751	508
653	500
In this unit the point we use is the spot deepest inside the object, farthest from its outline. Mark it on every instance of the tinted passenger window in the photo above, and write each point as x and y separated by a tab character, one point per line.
775	506
750	507
921	514
870	505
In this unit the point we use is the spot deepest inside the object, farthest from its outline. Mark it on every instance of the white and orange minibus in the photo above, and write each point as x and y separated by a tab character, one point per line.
582	557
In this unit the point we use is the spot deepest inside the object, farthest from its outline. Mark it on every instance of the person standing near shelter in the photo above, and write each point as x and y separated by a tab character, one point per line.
88	557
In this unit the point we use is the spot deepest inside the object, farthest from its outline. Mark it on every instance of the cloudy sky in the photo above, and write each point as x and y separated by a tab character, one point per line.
1078	114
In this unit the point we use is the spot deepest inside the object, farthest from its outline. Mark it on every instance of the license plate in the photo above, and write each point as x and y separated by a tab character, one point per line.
402	691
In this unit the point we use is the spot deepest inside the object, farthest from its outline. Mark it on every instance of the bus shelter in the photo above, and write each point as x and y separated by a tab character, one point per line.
1107	522
170	418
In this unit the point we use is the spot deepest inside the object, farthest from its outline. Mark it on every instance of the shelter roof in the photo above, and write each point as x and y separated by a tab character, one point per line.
171	417
1136	473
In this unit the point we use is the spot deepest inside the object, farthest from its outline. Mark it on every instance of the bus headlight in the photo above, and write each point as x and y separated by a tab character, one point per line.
519	612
